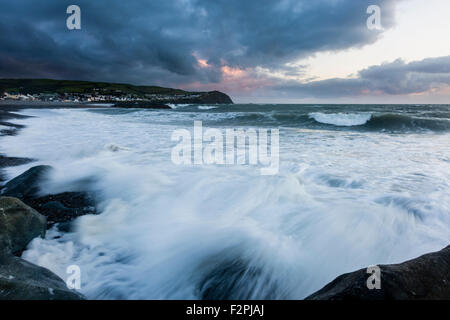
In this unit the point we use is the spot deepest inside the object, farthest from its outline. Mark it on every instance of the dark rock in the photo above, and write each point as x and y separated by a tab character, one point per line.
13	161
64	207
9	132
12	125
423	278
141	105
19	279
65	227
12	128
26	185
215	97
22	280
212	97
6	114
228	278
57	208
19	224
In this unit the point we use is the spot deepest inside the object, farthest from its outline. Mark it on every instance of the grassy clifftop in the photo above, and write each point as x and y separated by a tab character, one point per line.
34	86
108	91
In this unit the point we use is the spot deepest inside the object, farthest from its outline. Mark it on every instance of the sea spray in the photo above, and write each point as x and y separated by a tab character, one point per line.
231	147
342	200
341	119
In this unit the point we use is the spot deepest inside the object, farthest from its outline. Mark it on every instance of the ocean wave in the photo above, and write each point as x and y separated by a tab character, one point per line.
384	122
224	232
101	104
402	123
245	118
341	119
206	107
180	105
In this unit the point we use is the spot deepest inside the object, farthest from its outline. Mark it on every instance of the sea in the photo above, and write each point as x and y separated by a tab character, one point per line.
356	186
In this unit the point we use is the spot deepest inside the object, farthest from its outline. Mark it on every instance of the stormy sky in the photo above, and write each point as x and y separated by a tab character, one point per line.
255	50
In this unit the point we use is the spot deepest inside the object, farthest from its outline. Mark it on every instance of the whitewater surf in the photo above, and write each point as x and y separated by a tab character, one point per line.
357	185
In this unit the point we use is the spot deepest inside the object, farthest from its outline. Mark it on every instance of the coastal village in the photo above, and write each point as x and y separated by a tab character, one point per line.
70	91
97	96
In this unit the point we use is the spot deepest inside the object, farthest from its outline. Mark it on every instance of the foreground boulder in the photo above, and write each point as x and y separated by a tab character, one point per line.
19	224
19	279
22	280
423	278
58	208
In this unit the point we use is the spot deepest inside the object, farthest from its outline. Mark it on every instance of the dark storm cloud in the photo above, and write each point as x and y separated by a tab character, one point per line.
159	41
393	78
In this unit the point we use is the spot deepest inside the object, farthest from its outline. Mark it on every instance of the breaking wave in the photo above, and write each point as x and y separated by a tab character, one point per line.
341	119
398	122
206	107
344	198
383	122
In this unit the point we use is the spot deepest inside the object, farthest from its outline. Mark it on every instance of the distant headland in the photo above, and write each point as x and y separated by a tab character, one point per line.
119	94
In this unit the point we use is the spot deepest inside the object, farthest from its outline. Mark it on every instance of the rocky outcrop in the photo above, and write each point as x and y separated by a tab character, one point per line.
22	280
26	185
19	279
19	224
212	97
58	208
423	278
11	130
141	105
13	161
63	207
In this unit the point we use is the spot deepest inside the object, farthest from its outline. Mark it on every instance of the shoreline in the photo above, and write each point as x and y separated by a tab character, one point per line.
20	279
17	105
8	111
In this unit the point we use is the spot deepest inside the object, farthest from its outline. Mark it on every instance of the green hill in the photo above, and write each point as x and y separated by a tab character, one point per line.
35	86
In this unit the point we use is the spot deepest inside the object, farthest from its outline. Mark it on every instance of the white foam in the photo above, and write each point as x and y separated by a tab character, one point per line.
206	107
179	105
163	227
341	119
